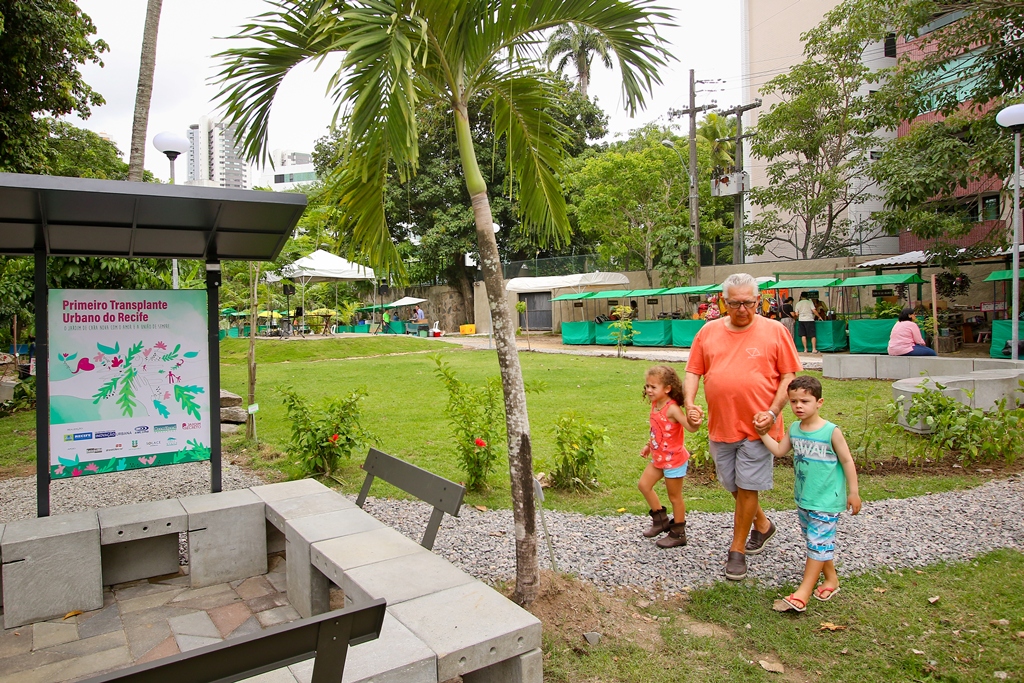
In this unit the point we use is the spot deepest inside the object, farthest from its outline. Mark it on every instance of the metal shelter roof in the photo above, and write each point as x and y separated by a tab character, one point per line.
88	217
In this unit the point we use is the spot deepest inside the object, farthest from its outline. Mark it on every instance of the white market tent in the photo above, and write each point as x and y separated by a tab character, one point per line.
577	282
404	301
322	266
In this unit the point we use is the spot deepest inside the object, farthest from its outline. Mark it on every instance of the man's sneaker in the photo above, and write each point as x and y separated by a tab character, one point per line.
736	566
757	540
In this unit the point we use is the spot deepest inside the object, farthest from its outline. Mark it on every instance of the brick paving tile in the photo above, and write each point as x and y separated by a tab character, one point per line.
275	563
147	602
278	615
186	643
100	621
48	634
193	593
265	602
279	580
174	580
27	662
88	646
138	589
198	624
71	668
15	641
145	637
229	617
255	587
250	626
166	648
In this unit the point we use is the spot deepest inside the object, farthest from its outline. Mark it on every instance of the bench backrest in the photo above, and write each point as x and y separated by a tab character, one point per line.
327	636
444	495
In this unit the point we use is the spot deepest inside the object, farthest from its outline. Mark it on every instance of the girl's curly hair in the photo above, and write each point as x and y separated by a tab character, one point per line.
668	377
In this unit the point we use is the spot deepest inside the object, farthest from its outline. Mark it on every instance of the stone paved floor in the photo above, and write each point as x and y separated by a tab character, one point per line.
142	621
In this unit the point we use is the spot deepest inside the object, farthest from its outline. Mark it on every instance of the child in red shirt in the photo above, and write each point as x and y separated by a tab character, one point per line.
668	455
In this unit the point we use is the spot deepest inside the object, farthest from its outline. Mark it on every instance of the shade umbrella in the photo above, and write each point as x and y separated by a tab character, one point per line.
323	266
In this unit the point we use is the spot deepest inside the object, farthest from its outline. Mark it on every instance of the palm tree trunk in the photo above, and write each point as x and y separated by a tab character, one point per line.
517	422
144	93
250	420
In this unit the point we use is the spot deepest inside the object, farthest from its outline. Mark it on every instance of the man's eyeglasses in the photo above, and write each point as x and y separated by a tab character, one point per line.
749	305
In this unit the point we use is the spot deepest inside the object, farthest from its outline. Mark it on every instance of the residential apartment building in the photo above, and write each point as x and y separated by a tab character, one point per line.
214	159
771	45
290	170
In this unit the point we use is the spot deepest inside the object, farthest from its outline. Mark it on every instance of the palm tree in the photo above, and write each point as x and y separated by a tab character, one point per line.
579	43
397	54
144	92
716	130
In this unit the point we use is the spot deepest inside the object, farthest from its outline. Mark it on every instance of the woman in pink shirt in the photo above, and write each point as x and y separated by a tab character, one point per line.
906	339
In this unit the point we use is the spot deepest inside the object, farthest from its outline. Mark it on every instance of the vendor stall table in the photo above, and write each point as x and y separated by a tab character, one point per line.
831	336
605	334
871	335
652	333
683	332
580	332
1001	334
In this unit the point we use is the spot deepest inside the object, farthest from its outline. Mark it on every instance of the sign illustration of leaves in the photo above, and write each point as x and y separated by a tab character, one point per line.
126	397
161	408
132	352
191	354
106	390
185	395
110	351
172	355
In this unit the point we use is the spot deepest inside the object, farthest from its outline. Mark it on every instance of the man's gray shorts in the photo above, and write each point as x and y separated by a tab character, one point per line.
742	464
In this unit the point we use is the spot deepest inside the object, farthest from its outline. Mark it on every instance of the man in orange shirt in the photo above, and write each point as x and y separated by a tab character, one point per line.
747	362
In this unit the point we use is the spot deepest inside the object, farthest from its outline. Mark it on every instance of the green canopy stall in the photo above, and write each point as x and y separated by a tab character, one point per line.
871	335
830	334
577	331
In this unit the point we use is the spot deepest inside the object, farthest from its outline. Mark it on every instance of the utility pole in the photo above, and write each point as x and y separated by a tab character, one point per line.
738	247
692	112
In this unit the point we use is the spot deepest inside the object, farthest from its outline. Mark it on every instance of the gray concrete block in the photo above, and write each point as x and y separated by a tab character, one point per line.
831	366
402	578
857	366
278	511
308	587
275	539
469	627
997	364
51	566
526	668
141	559
289	489
892	367
926	365
338	555
397	656
144	520
227	537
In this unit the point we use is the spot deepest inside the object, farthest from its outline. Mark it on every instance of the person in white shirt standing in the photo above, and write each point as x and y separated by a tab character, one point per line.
806	315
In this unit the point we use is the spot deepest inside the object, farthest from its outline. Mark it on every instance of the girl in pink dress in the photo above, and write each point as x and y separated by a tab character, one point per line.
668	456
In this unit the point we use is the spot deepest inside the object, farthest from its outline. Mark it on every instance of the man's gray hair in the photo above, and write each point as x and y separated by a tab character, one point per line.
737	280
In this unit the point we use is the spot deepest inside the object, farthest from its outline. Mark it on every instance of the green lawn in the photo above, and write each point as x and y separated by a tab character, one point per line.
888	631
405	405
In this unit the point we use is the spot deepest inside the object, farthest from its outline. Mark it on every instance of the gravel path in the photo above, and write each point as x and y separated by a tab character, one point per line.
610	551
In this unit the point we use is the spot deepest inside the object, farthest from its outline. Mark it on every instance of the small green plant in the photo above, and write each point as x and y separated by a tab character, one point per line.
347	311
969	434
622	328
576	444
325	433
869	430
884	309
477	419
24	397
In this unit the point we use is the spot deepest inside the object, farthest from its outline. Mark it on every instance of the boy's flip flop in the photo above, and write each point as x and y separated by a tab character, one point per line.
790	603
825	593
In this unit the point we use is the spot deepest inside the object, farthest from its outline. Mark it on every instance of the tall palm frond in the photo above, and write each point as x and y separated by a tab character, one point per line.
578	44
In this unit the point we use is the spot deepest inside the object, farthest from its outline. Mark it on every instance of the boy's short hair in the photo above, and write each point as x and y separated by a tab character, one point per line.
808	383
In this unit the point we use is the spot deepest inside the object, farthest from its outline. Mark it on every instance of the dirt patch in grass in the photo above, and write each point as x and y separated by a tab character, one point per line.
944	467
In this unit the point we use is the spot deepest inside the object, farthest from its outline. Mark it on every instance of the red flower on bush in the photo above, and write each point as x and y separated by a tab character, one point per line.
334	439
480	443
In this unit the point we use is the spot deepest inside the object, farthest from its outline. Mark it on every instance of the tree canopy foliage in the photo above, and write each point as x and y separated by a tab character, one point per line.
42	44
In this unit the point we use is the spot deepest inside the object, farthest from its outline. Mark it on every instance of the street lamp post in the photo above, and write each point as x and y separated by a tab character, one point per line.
693	200
1012	117
172	145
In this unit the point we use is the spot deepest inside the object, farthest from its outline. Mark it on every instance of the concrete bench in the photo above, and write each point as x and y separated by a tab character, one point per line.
139	541
980	389
876	366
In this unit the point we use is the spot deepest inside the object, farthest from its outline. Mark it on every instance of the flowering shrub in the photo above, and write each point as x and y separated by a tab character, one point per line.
576	444
477	419
324	433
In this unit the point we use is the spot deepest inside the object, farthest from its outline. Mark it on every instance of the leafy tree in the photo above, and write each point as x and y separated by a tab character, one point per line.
578	43
817	143
79	153
715	131
396	55
42	44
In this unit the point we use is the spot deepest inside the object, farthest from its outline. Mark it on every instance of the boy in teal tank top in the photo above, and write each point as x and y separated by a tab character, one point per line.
825	484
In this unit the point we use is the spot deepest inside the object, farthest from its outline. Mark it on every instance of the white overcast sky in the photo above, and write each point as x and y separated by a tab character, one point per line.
706	38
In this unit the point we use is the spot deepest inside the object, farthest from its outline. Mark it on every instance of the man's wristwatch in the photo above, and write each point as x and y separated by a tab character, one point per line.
772	413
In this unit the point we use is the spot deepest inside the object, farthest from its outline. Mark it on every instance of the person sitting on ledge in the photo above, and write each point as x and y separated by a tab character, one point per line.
906	339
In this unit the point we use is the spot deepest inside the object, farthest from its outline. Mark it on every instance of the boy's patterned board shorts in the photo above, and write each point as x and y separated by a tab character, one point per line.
820	532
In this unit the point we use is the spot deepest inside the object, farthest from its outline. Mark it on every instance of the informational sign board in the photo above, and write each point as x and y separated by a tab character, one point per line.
129	380
989	306
882	292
